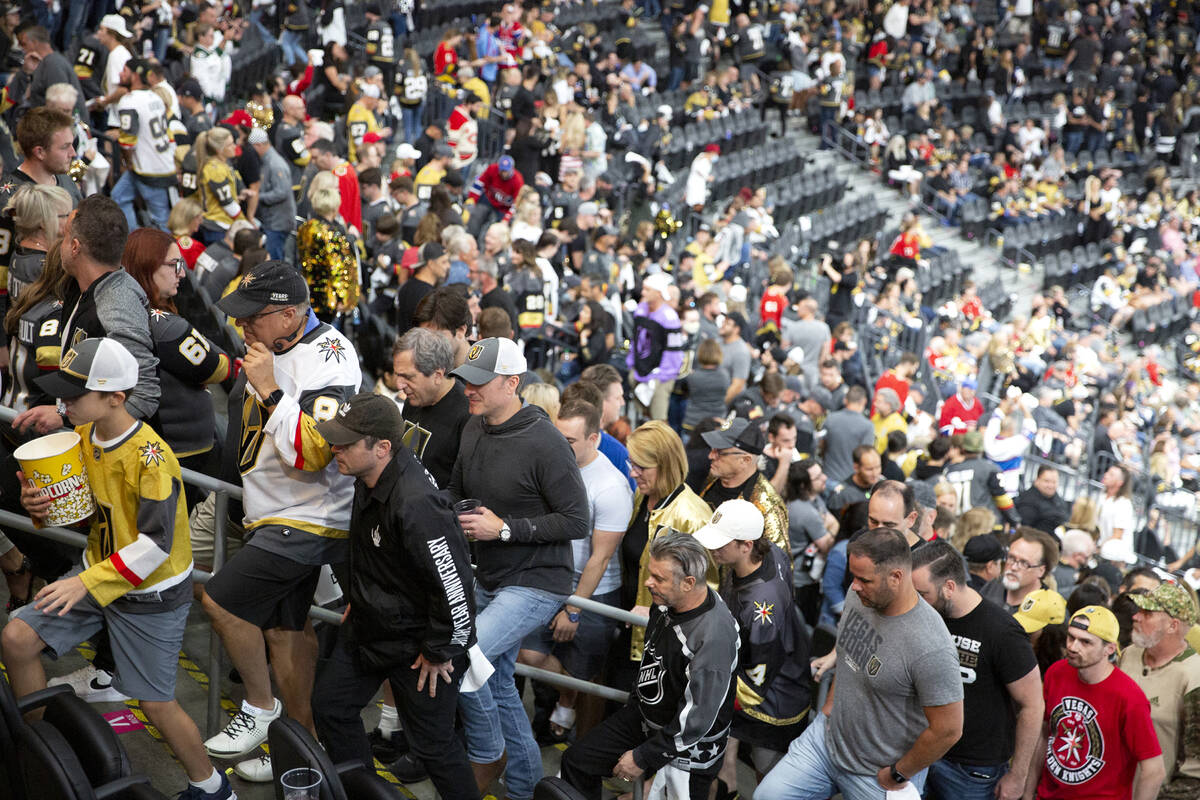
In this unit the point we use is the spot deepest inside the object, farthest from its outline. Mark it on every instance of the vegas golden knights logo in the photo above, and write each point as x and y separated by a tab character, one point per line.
252	434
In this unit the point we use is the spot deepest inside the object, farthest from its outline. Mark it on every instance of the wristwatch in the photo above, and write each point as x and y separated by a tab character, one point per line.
898	776
505	533
274	398
572	616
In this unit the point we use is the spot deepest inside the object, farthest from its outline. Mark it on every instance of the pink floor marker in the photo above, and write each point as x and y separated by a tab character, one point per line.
123	721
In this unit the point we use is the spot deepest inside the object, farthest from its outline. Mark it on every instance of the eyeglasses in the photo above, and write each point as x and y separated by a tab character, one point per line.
177	264
1020	563
731	452
256	317
638	468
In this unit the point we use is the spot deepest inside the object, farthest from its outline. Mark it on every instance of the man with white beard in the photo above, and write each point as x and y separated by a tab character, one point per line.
1031	556
1167	669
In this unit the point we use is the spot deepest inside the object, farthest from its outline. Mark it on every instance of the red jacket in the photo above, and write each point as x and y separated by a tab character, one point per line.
774	301
956	417
497	191
351	207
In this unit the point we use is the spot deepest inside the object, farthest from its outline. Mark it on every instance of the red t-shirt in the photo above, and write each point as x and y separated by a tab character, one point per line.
445	60
907	245
956	417
774	300
1098	734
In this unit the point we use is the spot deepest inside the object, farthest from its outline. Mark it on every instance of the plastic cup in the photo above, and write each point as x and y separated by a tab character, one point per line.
468	506
301	783
54	466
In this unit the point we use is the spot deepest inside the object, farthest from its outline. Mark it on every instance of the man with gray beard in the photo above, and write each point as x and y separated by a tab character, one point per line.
1031	557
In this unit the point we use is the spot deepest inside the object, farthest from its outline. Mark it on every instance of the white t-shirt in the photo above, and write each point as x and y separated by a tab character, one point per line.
1116	512
611	503
112	79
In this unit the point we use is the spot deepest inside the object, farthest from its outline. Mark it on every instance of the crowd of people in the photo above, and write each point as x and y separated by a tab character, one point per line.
483	367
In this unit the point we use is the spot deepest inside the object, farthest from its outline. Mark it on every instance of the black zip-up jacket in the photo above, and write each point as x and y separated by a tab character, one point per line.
410	572
524	471
684	688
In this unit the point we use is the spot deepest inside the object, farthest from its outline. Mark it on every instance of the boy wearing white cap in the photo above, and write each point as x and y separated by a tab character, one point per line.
135	579
772	684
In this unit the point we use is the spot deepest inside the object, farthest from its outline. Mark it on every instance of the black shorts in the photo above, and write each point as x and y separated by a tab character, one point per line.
265	589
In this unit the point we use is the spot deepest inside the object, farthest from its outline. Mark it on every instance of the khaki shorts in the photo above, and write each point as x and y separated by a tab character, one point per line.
203	524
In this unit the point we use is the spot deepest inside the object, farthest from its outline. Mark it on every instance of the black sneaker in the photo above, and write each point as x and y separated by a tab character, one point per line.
387	748
408	769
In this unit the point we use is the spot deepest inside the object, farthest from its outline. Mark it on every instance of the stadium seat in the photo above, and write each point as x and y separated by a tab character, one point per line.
292	746
554	788
50	769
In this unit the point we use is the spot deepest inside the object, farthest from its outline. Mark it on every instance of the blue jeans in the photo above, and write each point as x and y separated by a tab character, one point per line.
293	48
275	242
494	717
412	122
77	13
1074	141
950	781
157	200
806	773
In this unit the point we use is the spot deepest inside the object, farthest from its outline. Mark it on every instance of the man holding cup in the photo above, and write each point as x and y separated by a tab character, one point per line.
532	504
411	617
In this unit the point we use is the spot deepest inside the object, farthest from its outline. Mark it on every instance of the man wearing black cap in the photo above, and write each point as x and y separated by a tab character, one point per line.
297	372
412	616
532	504
985	560
733	472
433	265
191	103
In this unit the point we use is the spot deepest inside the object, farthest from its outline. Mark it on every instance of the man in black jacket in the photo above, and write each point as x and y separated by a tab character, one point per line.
1040	506
677	719
412	615
532	503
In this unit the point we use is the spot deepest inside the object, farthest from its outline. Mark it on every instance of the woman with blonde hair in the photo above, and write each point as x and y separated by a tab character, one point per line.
220	187
326	257
183	223
545	396
658	465
978	521
1085	516
39	214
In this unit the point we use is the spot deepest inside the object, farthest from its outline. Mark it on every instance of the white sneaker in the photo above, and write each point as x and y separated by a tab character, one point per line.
244	732
255	770
91	684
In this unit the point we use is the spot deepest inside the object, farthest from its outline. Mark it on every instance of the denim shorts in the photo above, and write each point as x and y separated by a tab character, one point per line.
583	656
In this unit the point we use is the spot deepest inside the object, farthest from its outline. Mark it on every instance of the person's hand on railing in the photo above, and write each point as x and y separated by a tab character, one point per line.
34	502
42	419
641	611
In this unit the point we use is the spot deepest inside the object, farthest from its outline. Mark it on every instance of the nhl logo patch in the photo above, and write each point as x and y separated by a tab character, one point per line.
474	352
873	666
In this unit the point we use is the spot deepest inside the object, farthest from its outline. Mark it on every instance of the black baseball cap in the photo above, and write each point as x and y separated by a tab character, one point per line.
983	549
271	283
363	415
191	88
737	432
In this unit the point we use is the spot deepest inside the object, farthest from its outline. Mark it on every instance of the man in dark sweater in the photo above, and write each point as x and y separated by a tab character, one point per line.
432	269
531	504
1040	505
676	722
435	408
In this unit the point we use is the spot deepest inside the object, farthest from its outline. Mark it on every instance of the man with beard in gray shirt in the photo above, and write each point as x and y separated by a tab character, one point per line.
897	671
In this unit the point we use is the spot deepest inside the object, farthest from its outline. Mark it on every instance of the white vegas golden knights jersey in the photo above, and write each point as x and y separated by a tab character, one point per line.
145	132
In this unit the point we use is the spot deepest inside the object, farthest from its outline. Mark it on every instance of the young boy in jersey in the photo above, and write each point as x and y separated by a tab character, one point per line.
135	579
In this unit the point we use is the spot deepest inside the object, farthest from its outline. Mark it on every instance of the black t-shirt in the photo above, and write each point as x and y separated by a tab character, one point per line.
993	651
841	295
432	432
411	293
718	493
498	298
632	546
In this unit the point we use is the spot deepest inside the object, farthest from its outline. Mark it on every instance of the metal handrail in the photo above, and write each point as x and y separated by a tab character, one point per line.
223	492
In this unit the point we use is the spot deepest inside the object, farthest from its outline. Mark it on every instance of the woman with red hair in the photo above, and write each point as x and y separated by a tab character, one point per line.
187	360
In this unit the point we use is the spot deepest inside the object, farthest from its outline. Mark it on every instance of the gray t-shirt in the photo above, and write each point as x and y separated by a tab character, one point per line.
844	431
888	670
735	358
812	336
611	504
806	524
706	394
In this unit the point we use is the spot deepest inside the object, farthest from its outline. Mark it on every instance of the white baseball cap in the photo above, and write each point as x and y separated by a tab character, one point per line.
734	520
406	150
93	365
1117	550
490	358
659	282
116	24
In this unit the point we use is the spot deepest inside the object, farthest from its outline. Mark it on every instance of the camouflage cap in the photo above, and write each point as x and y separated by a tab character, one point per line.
1170	598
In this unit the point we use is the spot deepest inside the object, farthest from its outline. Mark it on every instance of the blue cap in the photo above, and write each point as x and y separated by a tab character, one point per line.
970	383
505	164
